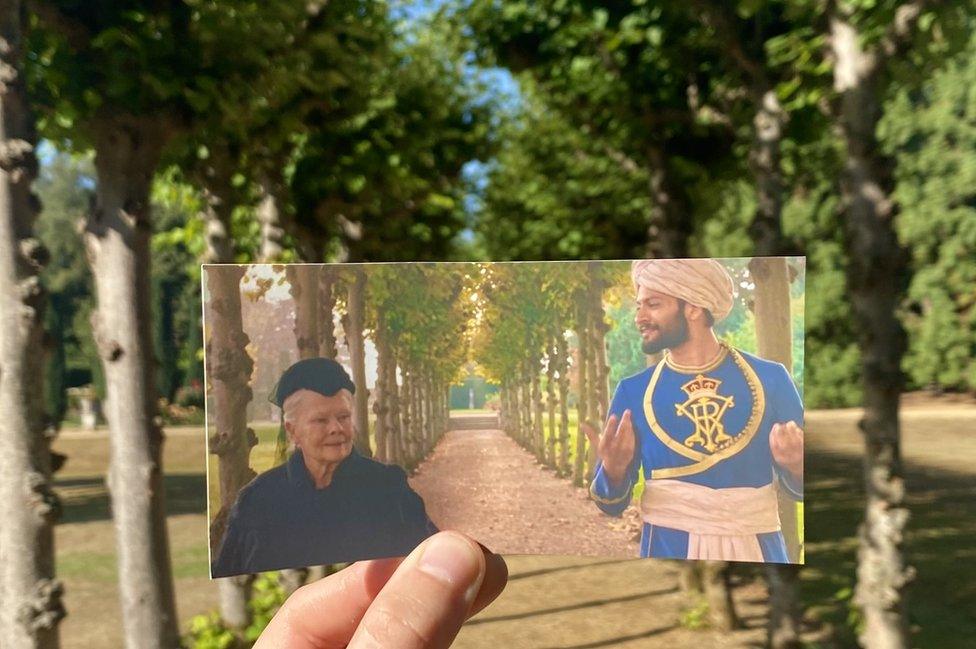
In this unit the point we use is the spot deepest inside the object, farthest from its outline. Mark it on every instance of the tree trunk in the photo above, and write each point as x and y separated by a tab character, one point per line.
877	277
229	372
538	438
768	123
303	279
30	596
356	342
718	593
583	401
216	219
774	335
526	402
669	225
117	241
272	233
597	357
381	407
327	302
563	355
550	441
397	432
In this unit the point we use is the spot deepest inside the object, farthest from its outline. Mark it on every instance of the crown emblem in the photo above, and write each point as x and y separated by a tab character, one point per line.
706	407
701	387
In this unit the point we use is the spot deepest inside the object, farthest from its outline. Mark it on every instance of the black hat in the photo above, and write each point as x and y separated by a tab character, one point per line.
322	375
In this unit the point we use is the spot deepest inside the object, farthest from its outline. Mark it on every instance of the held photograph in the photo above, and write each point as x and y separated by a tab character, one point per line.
627	408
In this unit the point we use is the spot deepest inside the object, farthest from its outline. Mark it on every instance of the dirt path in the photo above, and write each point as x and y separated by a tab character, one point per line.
484	484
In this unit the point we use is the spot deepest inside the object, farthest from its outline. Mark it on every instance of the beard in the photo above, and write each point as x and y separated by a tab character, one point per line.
671	335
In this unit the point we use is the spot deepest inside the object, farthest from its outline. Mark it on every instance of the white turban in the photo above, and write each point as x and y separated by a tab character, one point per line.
701	282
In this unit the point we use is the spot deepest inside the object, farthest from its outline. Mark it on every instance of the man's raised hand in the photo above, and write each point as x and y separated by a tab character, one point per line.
615	447
786	446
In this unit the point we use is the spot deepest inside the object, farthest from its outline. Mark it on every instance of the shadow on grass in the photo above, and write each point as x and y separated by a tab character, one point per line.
939	544
575	566
618	639
573	607
86	499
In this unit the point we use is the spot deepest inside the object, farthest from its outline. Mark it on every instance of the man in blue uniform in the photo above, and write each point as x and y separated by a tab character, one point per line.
327	503
716	430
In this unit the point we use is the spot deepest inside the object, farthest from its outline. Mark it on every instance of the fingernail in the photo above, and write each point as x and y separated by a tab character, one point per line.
452	560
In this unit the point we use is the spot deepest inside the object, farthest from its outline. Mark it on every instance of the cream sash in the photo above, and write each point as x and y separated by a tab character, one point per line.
722	524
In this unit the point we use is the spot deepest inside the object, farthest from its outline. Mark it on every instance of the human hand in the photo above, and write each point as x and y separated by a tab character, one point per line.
786	445
417	602
615	448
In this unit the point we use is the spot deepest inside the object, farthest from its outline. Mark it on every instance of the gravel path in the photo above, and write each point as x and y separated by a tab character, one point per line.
482	483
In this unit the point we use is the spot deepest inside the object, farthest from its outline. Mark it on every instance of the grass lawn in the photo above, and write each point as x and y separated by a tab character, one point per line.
941	487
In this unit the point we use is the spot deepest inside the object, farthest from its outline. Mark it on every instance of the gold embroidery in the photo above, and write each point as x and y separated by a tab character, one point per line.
692	369
705	407
702	461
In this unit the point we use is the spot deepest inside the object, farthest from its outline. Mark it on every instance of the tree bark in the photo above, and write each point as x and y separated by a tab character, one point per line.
538	437
327	303
774	335
303	279
563	355
669	225
599	397
216	218
30	595
229	373
877	277
381	407
583	401
550	441
272	232
356	342
116	238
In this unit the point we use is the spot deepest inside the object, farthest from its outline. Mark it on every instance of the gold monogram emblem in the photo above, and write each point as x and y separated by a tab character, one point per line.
705	407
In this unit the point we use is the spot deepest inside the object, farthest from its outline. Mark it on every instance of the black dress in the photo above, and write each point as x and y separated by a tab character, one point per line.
280	520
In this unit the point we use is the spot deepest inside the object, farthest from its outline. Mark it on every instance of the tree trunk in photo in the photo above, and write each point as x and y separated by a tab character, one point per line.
381	406
304	286
406	415
877	277
116	238
562	353
597	357
583	401
526	402
327	303
774	334
303	280
229	373
397	431
538	438
30	596
356	341
429	411
550	441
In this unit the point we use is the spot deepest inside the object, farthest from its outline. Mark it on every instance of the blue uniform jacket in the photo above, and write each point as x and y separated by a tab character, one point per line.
742	461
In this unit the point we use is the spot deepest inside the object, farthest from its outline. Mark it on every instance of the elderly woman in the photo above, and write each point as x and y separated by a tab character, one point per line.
327	503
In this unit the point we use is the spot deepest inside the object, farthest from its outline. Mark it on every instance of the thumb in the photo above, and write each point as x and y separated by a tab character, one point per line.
428	598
